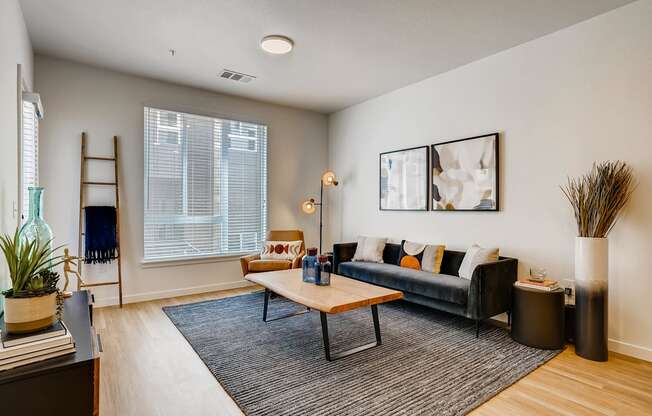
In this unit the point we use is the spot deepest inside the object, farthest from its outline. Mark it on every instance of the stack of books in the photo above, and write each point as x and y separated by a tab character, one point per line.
546	286
21	349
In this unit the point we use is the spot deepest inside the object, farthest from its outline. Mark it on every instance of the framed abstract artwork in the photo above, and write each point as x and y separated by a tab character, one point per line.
465	174
404	180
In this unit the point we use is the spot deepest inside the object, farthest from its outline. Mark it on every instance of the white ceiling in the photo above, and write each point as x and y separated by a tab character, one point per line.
346	51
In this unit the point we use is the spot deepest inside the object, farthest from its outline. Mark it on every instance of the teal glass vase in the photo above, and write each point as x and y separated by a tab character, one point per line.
35	228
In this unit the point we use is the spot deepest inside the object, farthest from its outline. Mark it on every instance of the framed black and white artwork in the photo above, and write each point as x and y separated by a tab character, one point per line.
404	180
465	174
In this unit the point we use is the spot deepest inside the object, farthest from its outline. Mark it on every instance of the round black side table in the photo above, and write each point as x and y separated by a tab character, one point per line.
538	318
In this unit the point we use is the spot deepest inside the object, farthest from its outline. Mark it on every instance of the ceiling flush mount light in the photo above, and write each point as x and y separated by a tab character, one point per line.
277	44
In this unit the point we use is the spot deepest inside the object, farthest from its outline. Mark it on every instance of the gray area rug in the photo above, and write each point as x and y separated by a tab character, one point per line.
430	362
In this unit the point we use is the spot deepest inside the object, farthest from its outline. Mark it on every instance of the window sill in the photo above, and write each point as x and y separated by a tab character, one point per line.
183	261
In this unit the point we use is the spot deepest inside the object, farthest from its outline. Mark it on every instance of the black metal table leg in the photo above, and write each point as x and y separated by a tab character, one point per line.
324	332
374	315
327	348
266	304
267	292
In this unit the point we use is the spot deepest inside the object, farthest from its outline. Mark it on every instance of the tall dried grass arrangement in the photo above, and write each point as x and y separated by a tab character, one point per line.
599	197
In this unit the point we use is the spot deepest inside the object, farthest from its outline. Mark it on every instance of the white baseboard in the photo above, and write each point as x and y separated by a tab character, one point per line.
171	293
636	351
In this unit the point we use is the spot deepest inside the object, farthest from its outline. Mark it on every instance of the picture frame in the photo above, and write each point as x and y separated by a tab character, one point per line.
465	174
403	179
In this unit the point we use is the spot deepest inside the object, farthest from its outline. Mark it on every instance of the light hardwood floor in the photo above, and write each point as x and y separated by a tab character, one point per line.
147	368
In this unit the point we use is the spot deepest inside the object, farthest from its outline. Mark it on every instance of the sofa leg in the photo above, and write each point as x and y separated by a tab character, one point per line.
509	319
477	329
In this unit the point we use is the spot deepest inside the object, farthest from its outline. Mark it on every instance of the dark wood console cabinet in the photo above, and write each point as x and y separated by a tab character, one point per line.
67	385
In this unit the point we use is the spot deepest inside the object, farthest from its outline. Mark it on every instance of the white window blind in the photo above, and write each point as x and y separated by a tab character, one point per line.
29	154
205	186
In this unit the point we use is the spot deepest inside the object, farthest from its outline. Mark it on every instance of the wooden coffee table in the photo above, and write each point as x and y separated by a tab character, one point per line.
342	295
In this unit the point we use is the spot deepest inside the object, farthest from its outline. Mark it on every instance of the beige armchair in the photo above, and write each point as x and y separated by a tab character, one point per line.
254	264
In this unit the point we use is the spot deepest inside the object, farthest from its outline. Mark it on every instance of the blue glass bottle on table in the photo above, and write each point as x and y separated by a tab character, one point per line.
310	266
324	278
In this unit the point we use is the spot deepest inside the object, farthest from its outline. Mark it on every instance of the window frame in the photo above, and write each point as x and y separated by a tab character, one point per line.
208	258
22	207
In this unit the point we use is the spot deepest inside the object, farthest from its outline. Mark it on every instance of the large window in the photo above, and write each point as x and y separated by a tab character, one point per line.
205	186
29	150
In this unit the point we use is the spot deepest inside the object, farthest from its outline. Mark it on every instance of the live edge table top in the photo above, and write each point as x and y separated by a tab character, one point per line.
342	295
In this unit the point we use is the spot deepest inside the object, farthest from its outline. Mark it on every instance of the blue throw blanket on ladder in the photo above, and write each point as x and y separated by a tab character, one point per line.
100	234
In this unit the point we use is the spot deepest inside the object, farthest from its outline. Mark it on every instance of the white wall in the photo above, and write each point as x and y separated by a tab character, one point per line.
579	95
103	103
15	49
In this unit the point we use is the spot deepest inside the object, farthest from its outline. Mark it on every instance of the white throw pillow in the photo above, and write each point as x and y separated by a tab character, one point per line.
370	249
474	256
281	250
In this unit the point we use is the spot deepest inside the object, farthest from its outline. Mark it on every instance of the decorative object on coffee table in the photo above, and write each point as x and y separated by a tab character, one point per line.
597	199
324	276
309	206
33	301
538	318
404	180
310	266
465	174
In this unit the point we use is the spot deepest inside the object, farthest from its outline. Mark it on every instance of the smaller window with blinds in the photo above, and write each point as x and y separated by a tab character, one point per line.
205	186
29	151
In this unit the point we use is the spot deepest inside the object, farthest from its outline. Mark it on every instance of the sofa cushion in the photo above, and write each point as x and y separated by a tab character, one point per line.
370	249
419	256
269	265
437	286
475	256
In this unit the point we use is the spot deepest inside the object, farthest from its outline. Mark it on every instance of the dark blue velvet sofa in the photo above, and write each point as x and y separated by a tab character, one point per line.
487	293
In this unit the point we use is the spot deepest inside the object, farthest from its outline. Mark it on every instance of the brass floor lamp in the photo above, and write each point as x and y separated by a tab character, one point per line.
309	206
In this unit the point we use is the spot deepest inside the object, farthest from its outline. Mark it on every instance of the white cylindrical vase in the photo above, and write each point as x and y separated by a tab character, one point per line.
591	297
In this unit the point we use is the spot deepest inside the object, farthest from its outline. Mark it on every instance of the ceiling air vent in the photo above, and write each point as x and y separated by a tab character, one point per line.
236	76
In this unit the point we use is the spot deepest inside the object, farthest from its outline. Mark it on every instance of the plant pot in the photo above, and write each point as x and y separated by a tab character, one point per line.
24	315
591	297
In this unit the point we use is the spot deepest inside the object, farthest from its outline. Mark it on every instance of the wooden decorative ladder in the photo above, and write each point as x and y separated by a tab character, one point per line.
83	183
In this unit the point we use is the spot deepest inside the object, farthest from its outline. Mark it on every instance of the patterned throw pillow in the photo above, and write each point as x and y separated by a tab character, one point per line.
418	256
281	250
475	256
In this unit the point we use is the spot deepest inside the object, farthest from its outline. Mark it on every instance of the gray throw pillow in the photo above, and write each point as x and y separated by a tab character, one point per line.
474	256
370	249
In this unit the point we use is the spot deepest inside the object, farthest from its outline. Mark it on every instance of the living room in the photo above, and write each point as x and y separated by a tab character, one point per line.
324	208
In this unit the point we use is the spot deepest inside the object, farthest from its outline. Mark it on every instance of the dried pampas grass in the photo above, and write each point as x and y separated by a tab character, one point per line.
599	196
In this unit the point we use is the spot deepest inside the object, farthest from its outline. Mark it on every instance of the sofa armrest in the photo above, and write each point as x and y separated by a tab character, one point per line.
244	262
296	263
490	292
342	252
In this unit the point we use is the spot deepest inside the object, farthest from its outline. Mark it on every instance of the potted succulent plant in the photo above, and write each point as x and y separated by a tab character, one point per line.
33	302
